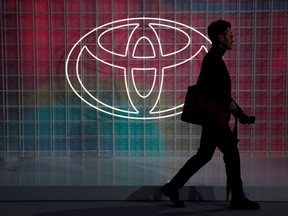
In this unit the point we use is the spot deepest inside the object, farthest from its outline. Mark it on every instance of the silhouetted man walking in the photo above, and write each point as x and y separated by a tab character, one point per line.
214	84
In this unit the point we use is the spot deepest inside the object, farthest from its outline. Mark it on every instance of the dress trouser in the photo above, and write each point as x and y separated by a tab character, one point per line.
212	137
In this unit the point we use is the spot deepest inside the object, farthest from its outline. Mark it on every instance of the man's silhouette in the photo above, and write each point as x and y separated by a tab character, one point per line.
214	84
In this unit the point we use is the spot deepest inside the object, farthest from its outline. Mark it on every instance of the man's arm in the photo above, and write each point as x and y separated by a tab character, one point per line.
212	83
236	110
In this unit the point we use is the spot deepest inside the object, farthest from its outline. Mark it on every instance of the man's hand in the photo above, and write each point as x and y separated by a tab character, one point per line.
244	119
238	112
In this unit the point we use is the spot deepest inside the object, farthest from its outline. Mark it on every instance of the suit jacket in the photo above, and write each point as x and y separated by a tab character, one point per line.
214	81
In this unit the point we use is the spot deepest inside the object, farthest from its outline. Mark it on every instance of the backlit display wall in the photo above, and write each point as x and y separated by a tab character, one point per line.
108	78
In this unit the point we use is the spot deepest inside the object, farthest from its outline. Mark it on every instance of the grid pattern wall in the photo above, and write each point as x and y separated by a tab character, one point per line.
41	115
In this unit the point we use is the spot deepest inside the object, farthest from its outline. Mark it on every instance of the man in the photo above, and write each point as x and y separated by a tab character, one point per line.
215	85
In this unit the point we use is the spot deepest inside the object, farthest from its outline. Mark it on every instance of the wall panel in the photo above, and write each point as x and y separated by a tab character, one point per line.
40	115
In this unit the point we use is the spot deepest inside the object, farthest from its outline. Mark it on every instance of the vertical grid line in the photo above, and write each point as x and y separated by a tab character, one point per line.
238	72
270	124
20	92
129	121
95	133
190	139
36	117
253	147
285	140
174	81
160	137
67	138
113	87
159	121
82	134
253	44
253	129
4	82
7	137
97	89
51	85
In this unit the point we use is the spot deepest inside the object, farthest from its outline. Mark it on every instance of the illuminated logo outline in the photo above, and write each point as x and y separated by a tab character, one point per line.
135	25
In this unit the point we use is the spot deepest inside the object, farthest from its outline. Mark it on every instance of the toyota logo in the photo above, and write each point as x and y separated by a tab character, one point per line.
120	68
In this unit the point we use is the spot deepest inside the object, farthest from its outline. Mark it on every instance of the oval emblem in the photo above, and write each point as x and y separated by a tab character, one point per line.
122	68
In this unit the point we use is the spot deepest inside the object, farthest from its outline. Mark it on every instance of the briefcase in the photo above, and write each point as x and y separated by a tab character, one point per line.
198	110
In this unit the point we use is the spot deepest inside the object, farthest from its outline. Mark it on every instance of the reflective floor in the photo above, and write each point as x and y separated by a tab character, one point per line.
133	179
135	208
263	172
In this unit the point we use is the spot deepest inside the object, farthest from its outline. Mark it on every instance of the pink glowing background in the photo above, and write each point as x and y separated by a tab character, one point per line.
40	111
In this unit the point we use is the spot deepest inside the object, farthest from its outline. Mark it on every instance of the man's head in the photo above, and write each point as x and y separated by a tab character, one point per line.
220	34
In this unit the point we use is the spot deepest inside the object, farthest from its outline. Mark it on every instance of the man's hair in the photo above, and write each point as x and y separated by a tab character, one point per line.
216	28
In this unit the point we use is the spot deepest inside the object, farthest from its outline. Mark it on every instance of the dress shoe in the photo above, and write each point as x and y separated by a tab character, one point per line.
173	193
243	204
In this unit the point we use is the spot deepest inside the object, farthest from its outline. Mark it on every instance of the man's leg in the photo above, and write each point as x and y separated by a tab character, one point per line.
203	155
233	171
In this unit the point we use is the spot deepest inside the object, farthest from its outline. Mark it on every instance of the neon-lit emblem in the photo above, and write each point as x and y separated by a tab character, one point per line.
120	67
